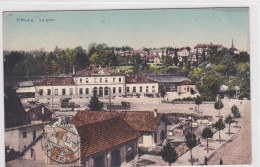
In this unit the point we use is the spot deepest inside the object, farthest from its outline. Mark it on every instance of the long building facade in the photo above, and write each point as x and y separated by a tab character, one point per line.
103	82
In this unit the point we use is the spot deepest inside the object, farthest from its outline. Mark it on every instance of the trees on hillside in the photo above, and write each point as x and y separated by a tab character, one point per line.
210	86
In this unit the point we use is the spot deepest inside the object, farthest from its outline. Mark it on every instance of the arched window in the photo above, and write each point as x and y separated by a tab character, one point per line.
106	91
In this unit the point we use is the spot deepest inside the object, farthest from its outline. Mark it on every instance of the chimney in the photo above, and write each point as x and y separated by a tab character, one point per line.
43	110
155	112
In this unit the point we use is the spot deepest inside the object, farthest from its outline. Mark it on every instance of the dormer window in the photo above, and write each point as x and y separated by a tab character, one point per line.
48	82
63	82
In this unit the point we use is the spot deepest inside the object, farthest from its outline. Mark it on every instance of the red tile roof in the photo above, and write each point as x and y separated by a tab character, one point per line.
91	71
57	81
102	135
140	121
138	79
150	56
186	82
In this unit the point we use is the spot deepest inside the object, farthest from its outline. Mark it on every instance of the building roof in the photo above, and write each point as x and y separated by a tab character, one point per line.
57	81
15	114
140	121
102	135
168	78
139	79
38	111
26	90
98	71
150	56
186	82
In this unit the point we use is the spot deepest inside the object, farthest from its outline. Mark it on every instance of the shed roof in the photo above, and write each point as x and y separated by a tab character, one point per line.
102	135
98	71
168	78
139	79
140	121
57	81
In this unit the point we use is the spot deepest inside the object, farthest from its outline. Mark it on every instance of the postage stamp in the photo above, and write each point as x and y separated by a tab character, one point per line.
61	143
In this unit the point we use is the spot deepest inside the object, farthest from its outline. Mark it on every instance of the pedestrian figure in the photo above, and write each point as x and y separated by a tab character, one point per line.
221	162
205	161
241	103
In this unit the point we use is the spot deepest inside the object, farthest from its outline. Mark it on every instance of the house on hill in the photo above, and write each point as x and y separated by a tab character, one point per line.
186	87
151	125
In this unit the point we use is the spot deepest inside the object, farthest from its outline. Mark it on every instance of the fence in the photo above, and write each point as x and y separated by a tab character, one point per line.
186	102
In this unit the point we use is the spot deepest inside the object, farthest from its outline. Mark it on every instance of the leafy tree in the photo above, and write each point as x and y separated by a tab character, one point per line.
232	85
172	70
220	69
167	61
245	89
196	73
188	48
175	60
185	70
218	106
229	61
198	101
190	140
229	120
169	154
219	125
81	59
95	104
163	92
207	133
235	112
243	57
210	86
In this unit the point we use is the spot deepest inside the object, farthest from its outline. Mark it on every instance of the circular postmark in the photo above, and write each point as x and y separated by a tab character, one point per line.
61	142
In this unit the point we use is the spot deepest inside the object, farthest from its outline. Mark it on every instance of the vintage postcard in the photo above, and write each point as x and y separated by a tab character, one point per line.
110	88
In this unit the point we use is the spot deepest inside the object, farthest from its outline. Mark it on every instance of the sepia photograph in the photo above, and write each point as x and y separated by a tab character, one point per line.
127	87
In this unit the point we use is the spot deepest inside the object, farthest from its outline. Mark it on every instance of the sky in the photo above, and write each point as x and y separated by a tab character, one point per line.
135	28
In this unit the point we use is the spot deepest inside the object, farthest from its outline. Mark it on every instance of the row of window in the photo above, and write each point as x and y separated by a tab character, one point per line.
63	92
41	92
96	80
140	89
34	135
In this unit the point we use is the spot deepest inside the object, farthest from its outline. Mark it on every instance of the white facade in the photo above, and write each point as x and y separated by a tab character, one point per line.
99	84
183	52
20	137
152	139
142	88
85	86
